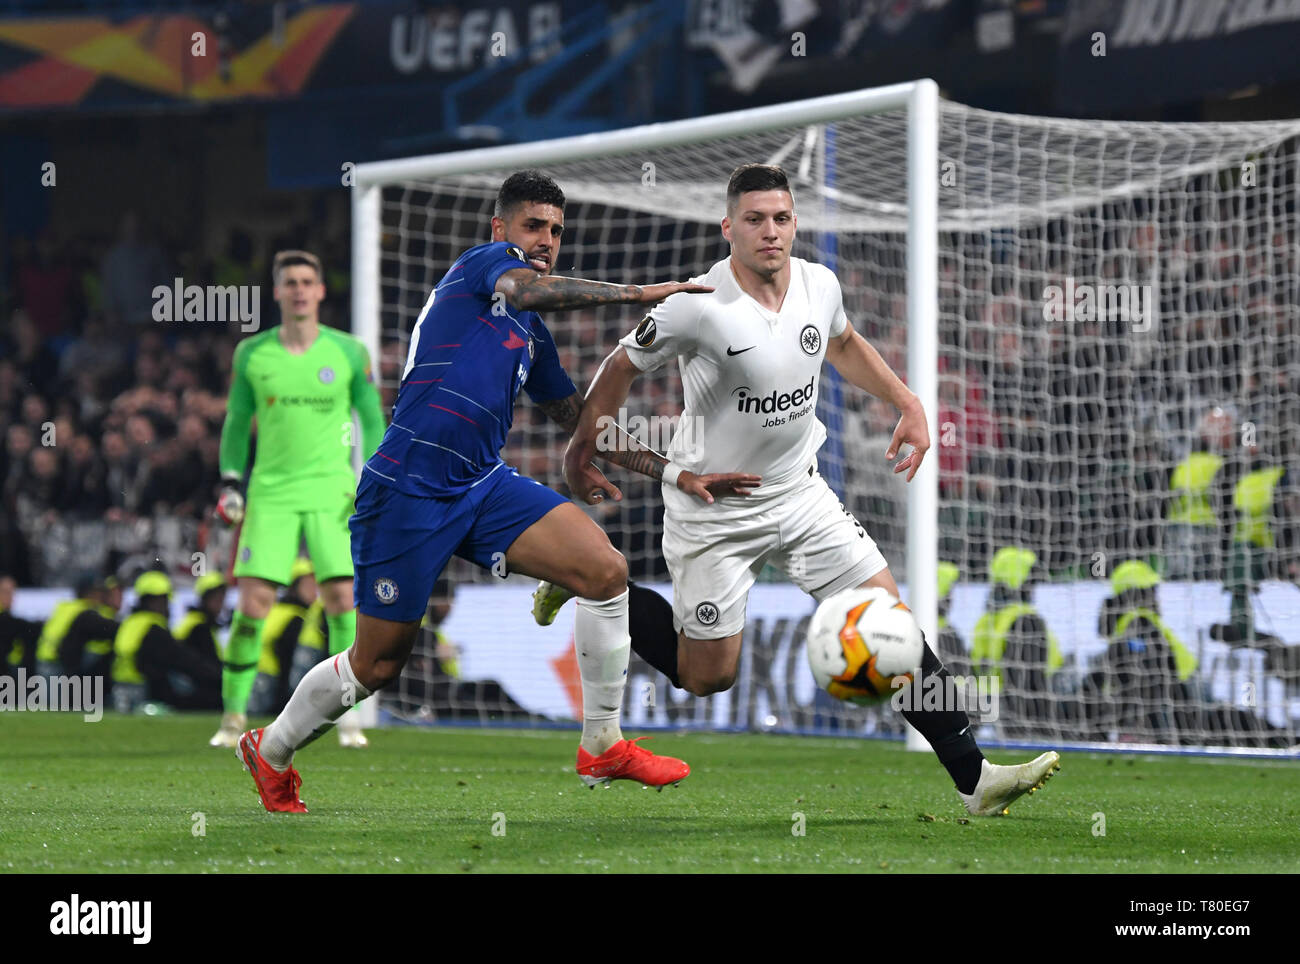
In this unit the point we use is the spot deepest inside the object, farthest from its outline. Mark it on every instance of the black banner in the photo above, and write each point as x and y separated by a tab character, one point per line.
1126	54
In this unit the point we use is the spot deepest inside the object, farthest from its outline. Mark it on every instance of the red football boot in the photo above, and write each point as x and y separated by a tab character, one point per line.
625	760
279	791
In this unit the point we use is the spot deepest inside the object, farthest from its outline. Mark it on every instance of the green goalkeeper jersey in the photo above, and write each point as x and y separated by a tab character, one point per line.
303	405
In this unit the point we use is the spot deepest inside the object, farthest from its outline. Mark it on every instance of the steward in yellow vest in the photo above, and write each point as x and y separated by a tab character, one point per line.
1253	499
148	662
1258	509
1143	683
1009	613
1198	514
1011	640
77	639
293	638
1191	500
1147	683
197	630
1264	543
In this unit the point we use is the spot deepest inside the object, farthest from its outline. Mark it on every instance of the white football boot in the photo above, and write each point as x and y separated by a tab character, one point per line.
231	729
350	732
1000	786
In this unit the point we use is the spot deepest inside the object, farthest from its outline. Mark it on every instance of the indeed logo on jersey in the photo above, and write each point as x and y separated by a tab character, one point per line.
774	401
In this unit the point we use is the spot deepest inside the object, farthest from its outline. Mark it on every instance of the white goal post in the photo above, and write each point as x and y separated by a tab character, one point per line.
952	230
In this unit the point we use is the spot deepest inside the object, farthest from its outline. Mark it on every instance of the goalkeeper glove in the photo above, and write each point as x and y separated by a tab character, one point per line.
230	506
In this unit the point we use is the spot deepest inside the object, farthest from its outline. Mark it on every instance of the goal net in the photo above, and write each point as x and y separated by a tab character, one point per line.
1102	320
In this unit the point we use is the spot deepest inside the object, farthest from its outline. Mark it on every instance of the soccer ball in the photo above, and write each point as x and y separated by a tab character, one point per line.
859	641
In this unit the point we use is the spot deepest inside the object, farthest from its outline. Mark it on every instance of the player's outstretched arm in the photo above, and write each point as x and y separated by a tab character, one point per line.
526	290
598	433
861	365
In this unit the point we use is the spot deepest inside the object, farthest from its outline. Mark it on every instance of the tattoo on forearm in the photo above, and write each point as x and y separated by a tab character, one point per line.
643	463
564	411
629	452
632	454
555	292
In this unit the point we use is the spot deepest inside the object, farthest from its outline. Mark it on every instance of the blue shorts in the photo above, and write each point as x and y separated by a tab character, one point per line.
401	543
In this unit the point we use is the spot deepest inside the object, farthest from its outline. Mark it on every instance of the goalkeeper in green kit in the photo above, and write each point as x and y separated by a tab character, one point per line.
302	381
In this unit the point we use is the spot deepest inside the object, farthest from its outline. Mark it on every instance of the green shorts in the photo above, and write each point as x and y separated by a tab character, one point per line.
269	541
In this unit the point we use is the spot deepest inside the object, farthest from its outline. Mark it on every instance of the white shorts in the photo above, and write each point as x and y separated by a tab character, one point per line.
808	534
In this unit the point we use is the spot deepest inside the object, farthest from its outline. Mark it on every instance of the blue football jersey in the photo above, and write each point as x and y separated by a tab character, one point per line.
469	357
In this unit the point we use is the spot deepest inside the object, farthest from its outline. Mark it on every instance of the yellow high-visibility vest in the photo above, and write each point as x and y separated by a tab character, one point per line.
102	647
1253	500
1190	486
277	621
1184	660
191	621
127	644
989	640
57	626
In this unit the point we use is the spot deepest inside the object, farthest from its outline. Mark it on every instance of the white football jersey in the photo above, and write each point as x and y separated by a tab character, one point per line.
749	375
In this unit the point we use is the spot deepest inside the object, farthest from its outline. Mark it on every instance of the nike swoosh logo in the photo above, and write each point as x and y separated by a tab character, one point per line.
741	352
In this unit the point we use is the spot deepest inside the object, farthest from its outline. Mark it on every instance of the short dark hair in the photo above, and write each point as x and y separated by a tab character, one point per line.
287	259
755	177
524	186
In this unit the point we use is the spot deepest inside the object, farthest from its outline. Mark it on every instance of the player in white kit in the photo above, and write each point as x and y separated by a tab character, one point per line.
750	355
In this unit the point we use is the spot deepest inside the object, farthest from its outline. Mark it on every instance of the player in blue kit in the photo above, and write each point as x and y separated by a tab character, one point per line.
437	487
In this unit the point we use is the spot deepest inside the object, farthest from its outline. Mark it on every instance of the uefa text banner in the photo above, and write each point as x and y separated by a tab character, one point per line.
244	52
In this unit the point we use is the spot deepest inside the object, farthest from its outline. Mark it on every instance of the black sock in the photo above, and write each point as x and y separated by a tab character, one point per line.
650	622
947	731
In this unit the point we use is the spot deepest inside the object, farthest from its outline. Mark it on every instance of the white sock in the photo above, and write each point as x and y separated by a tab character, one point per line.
600	636
329	690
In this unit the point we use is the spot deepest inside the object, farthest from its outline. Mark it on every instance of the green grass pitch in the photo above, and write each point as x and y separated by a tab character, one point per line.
129	795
